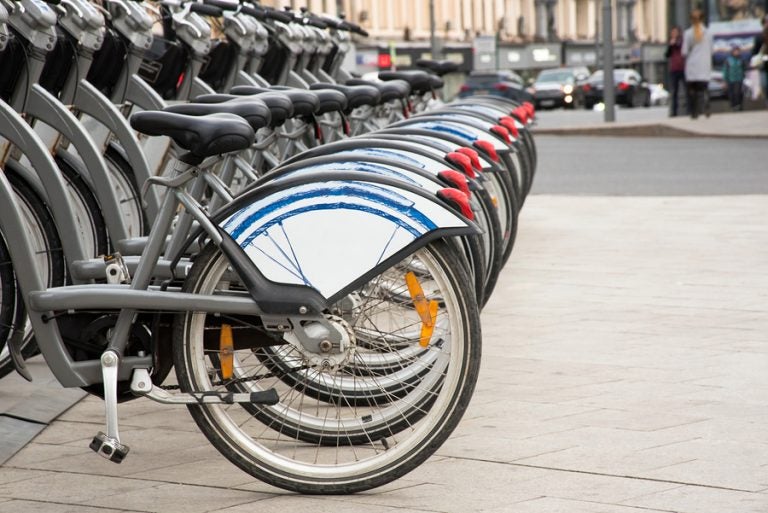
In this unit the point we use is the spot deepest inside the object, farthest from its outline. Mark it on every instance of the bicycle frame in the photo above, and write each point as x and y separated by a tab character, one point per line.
265	289
18	133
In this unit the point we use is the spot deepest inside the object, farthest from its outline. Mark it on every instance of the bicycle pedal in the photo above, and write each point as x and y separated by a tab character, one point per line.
109	448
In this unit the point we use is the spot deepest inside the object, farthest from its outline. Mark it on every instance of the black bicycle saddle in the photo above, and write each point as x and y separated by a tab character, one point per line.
279	105
330	101
421	82
305	103
439	68
391	90
201	136
252	109
356	95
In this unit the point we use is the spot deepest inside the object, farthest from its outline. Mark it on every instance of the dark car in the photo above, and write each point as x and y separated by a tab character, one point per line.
631	89
499	83
559	87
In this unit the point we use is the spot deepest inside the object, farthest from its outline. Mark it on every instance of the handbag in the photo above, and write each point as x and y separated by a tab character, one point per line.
759	58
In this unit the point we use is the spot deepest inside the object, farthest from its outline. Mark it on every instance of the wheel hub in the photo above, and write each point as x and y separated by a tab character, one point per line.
327	356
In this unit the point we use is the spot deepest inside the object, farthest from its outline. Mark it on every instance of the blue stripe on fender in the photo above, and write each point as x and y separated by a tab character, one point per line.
445	128
328	206
374	194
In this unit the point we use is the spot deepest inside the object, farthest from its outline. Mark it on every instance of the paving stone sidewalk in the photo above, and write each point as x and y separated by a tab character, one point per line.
625	370
655	122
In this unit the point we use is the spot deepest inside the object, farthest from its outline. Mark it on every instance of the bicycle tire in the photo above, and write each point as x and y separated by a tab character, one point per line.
127	191
430	423
8	303
47	246
90	219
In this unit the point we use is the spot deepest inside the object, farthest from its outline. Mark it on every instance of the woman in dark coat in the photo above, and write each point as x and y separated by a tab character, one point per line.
676	67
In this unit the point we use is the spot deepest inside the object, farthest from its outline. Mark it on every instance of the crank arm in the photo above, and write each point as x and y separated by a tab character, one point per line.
108	445
141	384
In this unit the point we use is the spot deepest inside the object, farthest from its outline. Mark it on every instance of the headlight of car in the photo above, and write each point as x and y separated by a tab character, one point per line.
568	89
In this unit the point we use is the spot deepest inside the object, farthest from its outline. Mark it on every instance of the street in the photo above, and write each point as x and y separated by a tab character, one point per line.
650	166
561	117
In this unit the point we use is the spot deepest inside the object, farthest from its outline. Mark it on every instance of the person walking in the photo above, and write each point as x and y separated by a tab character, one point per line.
760	47
733	74
697	50
676	68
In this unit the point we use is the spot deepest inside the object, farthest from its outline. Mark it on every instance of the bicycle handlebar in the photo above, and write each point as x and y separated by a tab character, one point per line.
276	15
222	4
206	9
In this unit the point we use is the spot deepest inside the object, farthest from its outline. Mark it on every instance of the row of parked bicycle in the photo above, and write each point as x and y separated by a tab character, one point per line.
308	250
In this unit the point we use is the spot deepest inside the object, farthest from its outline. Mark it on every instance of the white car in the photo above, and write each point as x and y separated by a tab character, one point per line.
659	95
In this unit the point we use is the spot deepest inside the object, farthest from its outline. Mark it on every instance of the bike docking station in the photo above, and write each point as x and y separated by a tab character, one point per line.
307	251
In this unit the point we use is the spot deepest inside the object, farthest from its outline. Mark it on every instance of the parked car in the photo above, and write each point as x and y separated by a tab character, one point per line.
631	90
500	83
559	87
717	87
659	94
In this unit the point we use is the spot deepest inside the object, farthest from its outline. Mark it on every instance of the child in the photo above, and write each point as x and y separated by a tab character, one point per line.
733	74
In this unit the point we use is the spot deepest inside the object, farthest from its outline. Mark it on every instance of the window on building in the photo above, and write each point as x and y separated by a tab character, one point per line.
583	30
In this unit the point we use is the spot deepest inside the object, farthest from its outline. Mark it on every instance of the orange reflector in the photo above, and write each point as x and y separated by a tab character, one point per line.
428	329
427	310
226	351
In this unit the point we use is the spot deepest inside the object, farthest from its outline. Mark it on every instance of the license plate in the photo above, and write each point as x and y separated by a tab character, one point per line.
547	103
481	91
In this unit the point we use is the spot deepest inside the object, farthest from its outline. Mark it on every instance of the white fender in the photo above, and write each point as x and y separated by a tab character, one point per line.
387	170
468	133
327	234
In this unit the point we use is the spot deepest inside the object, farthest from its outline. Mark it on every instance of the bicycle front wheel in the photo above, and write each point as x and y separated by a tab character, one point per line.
328	443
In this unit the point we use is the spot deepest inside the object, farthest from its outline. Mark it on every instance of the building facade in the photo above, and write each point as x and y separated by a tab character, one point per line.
529	35
511	20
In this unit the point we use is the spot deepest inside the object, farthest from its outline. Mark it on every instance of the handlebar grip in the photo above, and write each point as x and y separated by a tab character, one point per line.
205	9
224	6
278	15
331	22
253	12
315	22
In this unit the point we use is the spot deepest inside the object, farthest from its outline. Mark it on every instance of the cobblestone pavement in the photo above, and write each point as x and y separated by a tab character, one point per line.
624	370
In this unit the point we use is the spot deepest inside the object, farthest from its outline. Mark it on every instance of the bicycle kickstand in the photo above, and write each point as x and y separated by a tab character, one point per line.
108	445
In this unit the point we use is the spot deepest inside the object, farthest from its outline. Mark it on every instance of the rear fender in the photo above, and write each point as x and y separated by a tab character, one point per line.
327	233
399	151
447	135
412	175
429	139
468	129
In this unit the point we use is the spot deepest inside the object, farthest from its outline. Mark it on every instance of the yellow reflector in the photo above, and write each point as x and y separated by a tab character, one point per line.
226	351
427	310
495	201
427	329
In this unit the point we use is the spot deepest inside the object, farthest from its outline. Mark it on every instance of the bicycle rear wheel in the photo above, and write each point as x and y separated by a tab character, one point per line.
328	444
8	301
45	242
